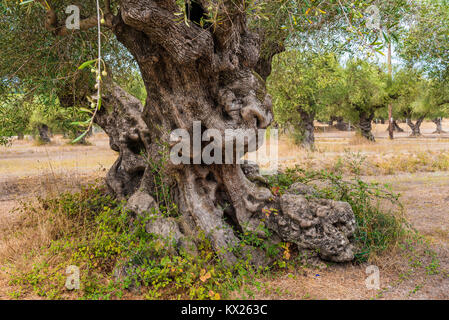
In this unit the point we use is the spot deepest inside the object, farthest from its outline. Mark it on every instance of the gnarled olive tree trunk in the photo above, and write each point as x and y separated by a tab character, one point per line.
341	124
439	128
44	133
416	127
307	128
365	125
195	74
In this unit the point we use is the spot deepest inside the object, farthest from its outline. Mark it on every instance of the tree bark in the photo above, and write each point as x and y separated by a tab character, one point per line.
396	127
44	133
194	74
439	128
365	126
416	127
307	129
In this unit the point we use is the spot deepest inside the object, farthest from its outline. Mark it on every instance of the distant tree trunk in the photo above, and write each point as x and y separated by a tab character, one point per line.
396	127
307	129
44	133
20	136
416	127
382	120
342	125
365	126
331	120
439	128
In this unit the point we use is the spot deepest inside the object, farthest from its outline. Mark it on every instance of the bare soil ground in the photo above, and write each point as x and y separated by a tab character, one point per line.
28	171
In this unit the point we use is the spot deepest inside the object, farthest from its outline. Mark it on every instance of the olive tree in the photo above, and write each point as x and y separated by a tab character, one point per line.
364	92
301	84
200	61
14	117
425	47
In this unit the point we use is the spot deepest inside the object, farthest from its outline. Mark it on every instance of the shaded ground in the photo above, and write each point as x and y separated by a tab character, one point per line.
27	171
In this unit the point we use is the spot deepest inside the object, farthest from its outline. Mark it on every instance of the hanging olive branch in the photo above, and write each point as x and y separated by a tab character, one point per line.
98	65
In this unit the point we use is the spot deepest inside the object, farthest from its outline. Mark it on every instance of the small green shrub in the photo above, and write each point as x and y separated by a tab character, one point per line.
98	238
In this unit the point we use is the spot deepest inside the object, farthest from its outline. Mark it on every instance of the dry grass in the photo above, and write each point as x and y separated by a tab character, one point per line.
28	171
358	140
384	157
29	232
26	227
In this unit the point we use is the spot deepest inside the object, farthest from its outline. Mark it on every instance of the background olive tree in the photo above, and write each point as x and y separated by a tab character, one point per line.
301	84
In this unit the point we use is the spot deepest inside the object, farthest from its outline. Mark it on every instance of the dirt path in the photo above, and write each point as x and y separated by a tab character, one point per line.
27	171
